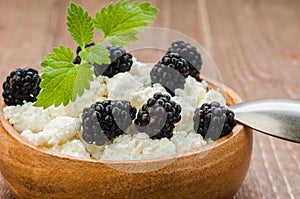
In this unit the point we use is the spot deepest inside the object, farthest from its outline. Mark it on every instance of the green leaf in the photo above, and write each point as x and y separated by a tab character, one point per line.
62	81
120	22
61	57
60	86
80	25
96	54
122	39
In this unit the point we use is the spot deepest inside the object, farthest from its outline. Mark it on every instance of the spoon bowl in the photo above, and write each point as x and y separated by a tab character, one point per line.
276	117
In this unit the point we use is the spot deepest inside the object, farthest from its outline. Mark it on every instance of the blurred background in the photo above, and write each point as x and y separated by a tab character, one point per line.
254	43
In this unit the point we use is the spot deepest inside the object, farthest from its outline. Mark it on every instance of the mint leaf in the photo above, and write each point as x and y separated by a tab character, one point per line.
122	39
96	54
62	81
61	57
80	25
120	22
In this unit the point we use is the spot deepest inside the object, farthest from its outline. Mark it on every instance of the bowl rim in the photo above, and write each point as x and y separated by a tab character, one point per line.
200	150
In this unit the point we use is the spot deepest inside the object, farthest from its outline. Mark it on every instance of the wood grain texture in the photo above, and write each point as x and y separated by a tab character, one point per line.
255	44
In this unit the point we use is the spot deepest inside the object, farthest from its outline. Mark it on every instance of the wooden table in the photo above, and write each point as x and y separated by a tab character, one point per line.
255	44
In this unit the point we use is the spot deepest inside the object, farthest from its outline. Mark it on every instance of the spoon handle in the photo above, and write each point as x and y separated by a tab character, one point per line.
275	117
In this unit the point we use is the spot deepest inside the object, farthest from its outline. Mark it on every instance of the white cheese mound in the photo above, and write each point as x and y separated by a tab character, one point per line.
122	85
186	141
187	112
189	98
95	151
27	117
214	95
35	138
57	131
137	147
73	148
140	96
101	87
193	92
140	72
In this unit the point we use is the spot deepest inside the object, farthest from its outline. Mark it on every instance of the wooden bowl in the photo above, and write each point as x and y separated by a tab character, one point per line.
214	171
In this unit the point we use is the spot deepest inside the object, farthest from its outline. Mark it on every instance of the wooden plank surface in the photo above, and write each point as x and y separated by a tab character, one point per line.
255	44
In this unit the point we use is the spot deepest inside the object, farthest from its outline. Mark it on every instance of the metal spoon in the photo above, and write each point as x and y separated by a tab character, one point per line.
276	117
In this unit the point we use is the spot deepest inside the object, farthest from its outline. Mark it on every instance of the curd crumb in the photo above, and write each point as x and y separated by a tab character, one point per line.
73	148
27	117
57	131
137	147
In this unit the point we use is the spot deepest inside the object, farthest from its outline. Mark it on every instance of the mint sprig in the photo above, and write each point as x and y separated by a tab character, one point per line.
120	22
80	25
96	54
63	81
60	58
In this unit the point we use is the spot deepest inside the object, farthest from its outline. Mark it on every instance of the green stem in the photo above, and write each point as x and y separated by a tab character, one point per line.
102	39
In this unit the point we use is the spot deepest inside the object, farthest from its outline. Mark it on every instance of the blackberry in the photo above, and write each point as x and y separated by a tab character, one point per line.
77	59
170	72
190	53
158	116
21	85
213	121
106	120
120	62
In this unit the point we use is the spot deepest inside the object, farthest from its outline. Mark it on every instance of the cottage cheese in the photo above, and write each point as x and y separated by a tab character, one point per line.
122	85
57	131
59	128
186	141
138	70
27	117
73	148
138	147
214	95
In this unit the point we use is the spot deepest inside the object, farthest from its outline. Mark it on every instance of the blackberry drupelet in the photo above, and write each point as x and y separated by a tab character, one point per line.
120	62
21	85
170	72
158	116
213	121
77	59
190	53
106	120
